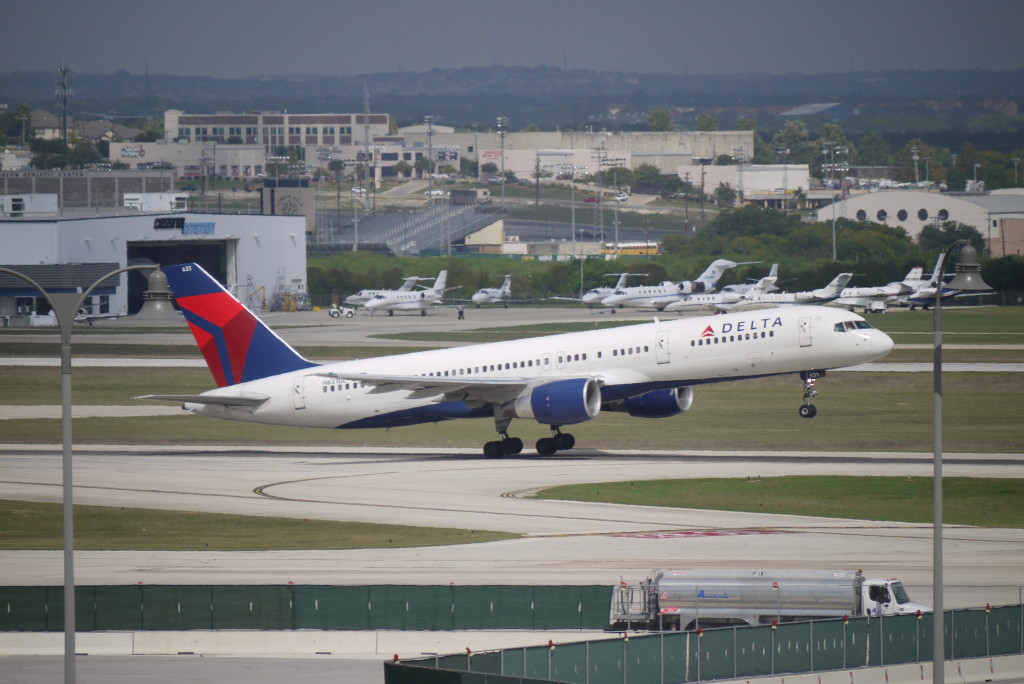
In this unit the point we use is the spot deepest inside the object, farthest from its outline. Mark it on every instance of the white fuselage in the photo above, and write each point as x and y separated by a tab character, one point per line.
644	296
624	361
712	301
403	301
489	296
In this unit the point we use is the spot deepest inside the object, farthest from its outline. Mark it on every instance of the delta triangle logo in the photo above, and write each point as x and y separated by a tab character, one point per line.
708	332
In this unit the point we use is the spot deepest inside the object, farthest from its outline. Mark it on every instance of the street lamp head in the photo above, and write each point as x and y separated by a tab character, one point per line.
968	272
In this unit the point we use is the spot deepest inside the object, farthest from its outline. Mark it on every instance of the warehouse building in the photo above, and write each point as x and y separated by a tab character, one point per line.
997	215
262	258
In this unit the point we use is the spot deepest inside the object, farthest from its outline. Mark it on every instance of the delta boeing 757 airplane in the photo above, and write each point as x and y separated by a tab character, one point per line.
647	370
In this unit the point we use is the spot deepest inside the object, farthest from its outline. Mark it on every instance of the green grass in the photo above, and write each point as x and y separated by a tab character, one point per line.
983	502
31	525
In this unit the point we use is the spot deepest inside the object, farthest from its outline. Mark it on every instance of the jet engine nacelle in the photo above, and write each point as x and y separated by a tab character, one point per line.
660	403
690	287
562	402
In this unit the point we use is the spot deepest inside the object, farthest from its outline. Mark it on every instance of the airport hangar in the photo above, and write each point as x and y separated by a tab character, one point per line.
74	245
998	215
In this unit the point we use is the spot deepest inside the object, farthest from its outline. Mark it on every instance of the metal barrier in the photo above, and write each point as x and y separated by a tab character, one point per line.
730	653
392	607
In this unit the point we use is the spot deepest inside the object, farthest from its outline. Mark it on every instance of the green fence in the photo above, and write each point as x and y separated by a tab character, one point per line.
393	607
731	653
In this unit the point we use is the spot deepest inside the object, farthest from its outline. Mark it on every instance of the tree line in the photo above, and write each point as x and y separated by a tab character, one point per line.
877	253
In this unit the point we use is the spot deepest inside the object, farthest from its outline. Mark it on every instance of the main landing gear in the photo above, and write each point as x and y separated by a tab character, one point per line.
558	441
506	446
809	410
510	446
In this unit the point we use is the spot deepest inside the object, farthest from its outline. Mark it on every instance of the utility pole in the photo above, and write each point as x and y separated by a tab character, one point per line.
64	93
366	143
429	120
502	124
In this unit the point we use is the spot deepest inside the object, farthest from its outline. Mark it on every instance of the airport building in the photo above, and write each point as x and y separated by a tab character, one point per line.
997	215
262	258
241	145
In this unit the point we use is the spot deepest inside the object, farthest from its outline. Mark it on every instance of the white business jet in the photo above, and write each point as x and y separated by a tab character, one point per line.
490	295
363	296
596	295
410	301
876	298
647	370
660	296
760	296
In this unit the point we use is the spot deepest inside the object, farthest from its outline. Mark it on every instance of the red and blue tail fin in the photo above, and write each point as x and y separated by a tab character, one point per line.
237	346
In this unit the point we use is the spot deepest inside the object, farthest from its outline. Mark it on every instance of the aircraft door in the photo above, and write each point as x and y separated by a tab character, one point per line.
298	392
804	331
662	353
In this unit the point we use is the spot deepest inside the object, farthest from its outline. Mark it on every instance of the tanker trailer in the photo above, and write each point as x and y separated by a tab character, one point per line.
686	599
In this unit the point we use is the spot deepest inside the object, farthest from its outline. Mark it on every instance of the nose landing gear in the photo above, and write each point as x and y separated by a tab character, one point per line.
809	410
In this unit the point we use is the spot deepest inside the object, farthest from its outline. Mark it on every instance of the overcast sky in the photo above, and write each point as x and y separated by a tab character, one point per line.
343	37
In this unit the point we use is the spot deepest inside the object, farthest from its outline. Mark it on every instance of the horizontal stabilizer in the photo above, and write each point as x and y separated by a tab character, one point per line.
249	402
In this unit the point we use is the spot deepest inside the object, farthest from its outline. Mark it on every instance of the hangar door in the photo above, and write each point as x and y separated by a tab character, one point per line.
216	256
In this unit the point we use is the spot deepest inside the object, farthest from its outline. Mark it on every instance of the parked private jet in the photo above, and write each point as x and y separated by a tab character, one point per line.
410	301
490	295
660	296
760	296
647	370
363	296
876	298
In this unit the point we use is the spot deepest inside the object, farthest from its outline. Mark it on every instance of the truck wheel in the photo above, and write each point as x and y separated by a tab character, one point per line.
334	313
349	314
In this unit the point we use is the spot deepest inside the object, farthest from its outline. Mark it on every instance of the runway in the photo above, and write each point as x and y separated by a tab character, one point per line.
561	542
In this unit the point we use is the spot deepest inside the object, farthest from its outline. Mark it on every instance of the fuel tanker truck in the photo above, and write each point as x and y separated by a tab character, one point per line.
686	599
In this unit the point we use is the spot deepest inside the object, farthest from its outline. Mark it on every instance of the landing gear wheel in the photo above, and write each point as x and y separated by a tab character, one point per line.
564	441
423	312
493	450
546	446
391	312
808	411
510	446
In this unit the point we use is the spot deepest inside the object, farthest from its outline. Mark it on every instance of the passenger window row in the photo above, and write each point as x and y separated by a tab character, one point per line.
722	339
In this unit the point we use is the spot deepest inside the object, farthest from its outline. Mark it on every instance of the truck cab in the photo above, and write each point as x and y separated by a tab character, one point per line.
888	597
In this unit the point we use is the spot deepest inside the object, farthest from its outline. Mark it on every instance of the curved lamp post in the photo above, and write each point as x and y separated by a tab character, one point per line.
65	306
968	279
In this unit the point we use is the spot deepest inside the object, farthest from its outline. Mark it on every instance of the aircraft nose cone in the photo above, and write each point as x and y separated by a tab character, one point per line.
881	343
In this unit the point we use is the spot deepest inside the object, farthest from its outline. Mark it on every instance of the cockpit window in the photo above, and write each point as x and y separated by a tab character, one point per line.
852	325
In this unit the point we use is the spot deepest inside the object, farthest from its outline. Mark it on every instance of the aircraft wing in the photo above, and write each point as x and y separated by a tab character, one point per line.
216	400
471	390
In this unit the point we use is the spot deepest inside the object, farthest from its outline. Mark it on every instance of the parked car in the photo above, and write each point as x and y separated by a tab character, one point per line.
188	188
592	199
358	191
621	196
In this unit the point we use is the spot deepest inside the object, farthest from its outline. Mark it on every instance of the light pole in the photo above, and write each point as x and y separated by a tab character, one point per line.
430	159
968	278
502	123
65	306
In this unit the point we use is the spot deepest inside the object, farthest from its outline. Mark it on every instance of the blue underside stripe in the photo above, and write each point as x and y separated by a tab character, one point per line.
451	410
